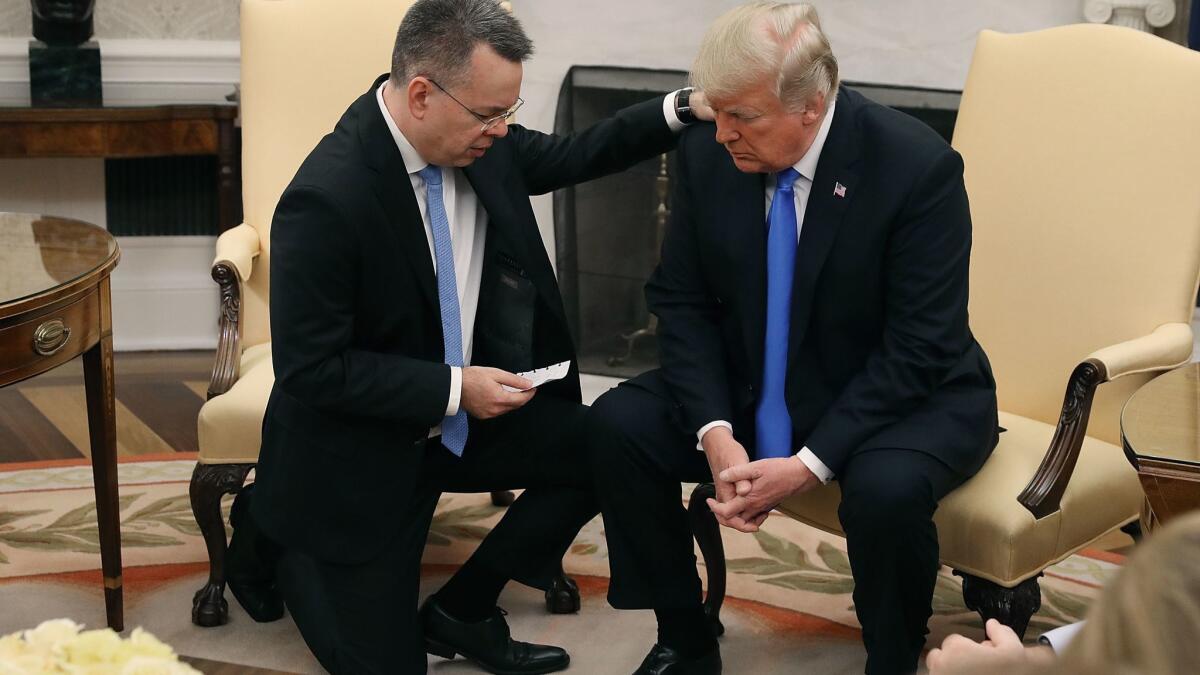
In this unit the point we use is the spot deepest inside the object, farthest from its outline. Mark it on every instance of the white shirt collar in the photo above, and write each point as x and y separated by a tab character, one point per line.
412	160
807	166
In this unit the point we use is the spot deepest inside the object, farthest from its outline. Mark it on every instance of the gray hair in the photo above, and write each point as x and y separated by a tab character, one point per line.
776	40
436	39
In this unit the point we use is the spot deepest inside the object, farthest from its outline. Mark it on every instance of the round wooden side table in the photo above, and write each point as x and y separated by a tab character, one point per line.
1160	429
55	305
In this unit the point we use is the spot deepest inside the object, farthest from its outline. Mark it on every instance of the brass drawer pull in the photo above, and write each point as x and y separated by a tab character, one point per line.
51	337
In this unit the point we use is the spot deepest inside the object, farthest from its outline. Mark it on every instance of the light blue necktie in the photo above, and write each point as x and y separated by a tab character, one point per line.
772	422
454	427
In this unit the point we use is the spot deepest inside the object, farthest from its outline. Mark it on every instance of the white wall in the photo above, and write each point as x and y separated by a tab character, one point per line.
924	43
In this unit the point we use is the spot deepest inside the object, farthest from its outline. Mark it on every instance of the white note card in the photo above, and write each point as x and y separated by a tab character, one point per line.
540	376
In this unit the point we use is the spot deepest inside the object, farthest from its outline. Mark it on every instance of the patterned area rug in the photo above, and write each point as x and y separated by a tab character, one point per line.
787	575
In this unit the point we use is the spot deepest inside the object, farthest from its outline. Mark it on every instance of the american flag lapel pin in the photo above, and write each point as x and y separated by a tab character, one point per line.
839	190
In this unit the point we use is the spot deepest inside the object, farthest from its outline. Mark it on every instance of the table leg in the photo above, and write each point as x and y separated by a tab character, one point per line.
102	427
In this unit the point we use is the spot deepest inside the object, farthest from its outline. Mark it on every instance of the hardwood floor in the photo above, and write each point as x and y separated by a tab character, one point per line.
159	395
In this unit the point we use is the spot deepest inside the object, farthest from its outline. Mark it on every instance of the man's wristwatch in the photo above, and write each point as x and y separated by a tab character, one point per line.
682	110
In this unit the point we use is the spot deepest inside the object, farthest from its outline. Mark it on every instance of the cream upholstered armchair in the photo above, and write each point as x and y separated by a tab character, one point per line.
1082	166
303	62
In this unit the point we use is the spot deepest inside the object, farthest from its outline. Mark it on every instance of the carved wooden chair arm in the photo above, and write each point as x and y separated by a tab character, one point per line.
1170	345
236	250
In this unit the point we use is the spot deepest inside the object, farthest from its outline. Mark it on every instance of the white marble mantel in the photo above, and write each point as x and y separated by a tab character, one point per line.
1143	15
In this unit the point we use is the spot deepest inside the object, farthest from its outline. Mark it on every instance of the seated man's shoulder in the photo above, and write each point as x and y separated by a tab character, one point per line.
896	134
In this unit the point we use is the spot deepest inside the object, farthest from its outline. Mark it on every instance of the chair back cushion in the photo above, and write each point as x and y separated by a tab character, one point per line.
1082	153
303	63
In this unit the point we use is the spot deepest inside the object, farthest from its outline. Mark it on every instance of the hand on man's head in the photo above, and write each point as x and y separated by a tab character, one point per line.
698	102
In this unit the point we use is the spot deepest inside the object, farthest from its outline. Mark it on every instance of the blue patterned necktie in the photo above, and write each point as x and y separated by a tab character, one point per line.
772	422
454	427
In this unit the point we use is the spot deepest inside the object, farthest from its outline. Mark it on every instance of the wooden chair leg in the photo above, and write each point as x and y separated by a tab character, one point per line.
708	536
1134	530
563	595
1012	607
210	482
503	498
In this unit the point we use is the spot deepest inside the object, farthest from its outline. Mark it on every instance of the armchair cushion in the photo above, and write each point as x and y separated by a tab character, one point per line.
982	528
230	425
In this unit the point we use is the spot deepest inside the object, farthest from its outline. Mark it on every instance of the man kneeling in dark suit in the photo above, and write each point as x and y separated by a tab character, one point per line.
812	317
408	283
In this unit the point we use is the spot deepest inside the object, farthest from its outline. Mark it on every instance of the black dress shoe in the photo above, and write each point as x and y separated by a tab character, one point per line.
488	643
666	661
250	564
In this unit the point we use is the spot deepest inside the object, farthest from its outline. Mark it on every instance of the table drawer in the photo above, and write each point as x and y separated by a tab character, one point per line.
50	339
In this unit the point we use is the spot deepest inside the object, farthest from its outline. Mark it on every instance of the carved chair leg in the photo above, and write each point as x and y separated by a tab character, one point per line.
708	536
1134	530
1012	607
503	498
210	482
563	595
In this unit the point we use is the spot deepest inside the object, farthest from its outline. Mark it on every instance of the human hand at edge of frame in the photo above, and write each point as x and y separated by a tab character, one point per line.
484	398
771	481
1000	653
698	102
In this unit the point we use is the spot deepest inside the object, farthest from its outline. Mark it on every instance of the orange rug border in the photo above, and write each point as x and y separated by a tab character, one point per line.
7	467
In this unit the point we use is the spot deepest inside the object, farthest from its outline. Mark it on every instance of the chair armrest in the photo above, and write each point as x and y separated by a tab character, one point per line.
236	250
1167	347
239	247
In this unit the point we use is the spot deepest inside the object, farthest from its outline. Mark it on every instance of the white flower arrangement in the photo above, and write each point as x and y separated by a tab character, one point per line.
62	647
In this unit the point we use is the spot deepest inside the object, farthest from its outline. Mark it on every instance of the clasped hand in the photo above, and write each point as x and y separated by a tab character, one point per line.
747	491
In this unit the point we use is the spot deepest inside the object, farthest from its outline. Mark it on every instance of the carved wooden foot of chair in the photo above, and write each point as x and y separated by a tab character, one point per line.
210	482
503	498
708	536
1012	607
563	595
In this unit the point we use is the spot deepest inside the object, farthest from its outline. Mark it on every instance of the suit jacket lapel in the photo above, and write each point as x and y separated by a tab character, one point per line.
746	215
833	187
488	178
393	189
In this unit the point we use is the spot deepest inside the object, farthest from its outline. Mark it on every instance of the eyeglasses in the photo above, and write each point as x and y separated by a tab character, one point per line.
486	122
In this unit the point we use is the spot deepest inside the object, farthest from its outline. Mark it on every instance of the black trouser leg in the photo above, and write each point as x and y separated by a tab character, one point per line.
888	500
362	619
540	447
640	453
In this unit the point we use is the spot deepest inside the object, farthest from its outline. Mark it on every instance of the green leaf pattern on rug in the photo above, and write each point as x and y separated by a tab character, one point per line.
461	523
76	532
790	566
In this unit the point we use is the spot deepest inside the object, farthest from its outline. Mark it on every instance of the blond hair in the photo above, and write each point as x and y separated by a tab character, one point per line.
1146	622
776	40
1148	619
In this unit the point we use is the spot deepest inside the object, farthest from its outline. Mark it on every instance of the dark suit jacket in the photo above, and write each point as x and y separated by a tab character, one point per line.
880	352
355	323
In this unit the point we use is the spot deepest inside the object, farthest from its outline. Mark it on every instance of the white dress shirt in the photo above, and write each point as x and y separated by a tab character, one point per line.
468	230
807	167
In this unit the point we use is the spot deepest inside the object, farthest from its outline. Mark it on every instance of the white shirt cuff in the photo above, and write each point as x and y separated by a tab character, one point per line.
455	391
815	465
676	125
704	430
1058	638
